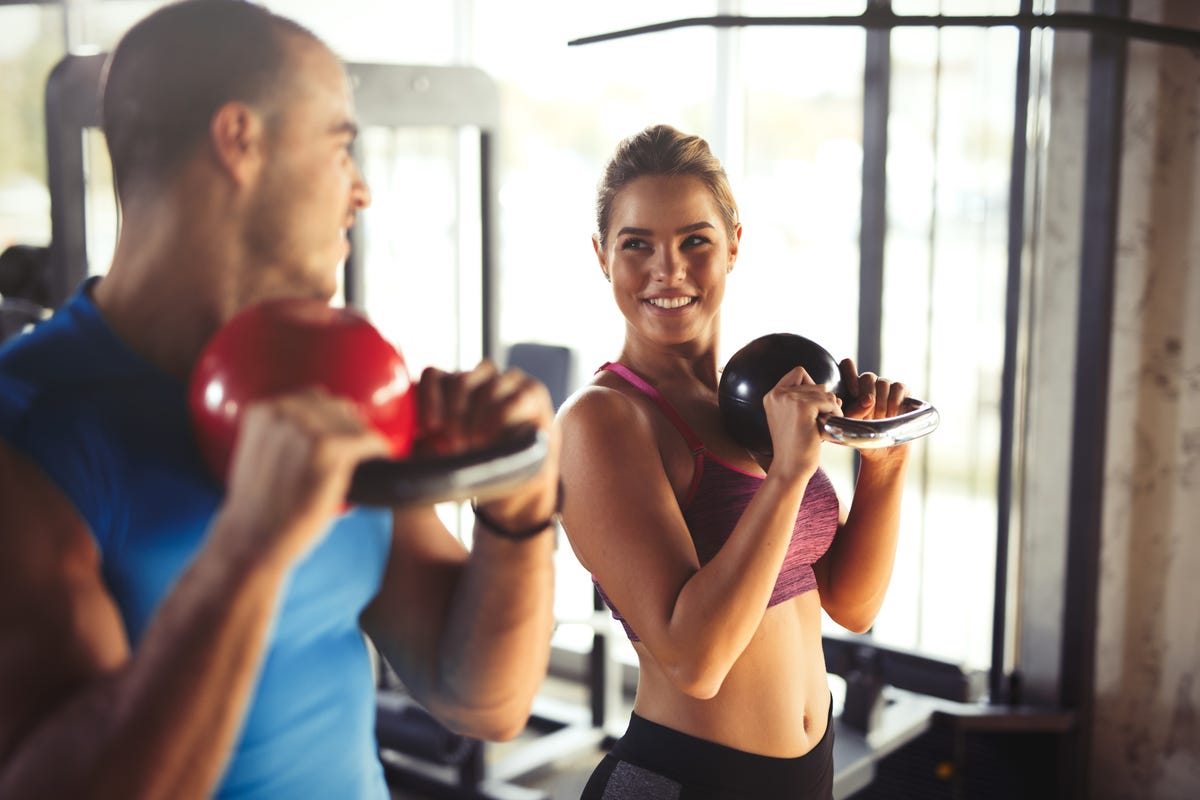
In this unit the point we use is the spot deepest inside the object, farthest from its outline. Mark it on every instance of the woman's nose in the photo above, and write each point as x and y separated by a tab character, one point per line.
669	266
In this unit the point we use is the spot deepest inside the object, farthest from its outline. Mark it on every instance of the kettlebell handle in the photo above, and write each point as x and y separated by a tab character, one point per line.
488	472
916	419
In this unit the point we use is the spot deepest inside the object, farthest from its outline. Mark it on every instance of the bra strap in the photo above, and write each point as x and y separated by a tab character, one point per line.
645	388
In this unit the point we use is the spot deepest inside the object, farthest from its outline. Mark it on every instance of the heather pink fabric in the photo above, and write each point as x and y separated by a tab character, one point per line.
718	495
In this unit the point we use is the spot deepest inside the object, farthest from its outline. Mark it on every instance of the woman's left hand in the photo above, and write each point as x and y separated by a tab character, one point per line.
869	396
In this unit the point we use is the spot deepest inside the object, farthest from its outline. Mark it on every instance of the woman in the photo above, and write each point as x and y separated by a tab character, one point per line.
718	565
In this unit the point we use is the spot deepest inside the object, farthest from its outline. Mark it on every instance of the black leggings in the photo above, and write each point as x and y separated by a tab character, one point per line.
654	762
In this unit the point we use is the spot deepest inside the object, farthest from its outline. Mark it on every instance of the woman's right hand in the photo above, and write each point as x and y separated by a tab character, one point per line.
792	409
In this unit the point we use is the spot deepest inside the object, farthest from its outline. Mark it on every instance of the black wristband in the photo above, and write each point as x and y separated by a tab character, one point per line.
497	529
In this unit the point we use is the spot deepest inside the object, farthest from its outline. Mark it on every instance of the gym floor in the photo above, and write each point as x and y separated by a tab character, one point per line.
563	779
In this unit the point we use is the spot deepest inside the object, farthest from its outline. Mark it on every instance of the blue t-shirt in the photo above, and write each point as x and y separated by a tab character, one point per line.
112	431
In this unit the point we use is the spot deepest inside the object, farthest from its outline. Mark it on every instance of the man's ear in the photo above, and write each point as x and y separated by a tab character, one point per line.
600	256
236	133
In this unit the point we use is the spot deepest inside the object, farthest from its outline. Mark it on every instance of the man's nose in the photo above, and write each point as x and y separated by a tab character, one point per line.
360	192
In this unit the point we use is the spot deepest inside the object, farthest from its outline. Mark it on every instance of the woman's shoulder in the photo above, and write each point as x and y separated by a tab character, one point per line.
603	401
610	412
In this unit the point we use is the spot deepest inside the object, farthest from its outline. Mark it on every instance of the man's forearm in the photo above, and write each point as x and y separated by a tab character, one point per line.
496	644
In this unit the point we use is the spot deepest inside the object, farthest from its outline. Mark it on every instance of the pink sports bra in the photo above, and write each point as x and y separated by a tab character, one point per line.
720	492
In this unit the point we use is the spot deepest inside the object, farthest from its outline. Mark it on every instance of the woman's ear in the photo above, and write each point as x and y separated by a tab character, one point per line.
601	256
733	247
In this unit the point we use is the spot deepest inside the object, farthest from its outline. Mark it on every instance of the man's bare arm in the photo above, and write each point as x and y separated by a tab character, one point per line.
469	633
81	715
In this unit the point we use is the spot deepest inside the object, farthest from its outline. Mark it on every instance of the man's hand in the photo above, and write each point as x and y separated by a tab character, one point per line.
291	469
463	411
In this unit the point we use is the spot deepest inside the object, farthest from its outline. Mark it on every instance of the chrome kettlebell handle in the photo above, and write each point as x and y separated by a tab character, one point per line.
920	419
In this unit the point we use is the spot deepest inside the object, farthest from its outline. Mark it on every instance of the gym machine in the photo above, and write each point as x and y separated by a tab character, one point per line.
23	295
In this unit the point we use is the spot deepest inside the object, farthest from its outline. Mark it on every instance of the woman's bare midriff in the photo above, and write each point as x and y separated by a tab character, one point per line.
775	699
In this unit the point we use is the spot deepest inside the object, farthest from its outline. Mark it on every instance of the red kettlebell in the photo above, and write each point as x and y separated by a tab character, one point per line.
288	344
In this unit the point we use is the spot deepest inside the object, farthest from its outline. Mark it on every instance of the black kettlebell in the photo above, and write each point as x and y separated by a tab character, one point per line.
755	369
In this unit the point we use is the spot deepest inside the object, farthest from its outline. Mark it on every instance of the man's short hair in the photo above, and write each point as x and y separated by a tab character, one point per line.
171	72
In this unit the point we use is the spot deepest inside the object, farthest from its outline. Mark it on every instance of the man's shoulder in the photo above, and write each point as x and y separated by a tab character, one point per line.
55	365
39	359
73	346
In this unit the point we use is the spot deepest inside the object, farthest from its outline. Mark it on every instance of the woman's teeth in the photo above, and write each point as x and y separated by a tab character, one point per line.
669	302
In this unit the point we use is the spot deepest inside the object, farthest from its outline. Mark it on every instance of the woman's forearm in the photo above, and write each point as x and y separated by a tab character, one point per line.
859	562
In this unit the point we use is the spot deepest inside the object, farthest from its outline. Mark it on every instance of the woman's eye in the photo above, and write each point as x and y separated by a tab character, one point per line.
692	241
632	244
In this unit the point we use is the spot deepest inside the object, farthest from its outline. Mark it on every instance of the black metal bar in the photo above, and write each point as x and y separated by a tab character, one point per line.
473	770
873	18
873	231
904	669
877	61
598	665
489	281
72	104
1106	96
1008	377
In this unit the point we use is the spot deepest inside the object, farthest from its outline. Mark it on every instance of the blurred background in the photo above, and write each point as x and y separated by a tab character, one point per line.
918	197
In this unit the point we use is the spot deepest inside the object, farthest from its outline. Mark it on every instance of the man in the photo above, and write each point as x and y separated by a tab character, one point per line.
161	636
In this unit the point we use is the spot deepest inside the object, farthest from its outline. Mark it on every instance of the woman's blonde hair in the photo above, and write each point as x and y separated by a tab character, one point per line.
663	150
